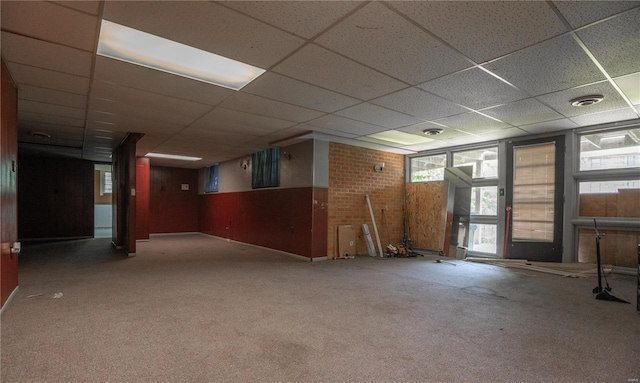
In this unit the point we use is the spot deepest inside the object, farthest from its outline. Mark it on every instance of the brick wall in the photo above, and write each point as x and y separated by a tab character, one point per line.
351	177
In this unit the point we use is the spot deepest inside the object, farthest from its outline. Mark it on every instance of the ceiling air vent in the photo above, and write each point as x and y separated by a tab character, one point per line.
432	131
587	100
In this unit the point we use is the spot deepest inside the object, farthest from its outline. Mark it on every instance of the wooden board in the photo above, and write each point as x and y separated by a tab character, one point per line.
617	247
426	208
573	270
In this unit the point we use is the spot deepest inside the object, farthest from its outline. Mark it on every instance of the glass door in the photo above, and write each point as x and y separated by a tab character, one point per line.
535	189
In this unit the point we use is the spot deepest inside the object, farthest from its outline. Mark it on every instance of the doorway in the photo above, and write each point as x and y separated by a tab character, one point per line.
103	210
535	190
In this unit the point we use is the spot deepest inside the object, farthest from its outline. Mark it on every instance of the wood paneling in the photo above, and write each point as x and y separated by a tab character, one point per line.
291	220
625	203
8	185
173	210
427	214
617	247
142	198
56	198
124	196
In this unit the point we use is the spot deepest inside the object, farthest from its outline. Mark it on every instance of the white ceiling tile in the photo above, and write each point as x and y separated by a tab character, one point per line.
151	80
44	78
91	7
502	134
630	86
330	132
128	123
549	126
378	115
605	117
249	103
139	112
49	119
25	50
418	103
304	18
220	137
50	96
382	39
579	13
447	133
148	100
330	71
209	26
547	67
240	122
55	110
615	43
561	101
473	88
482	30
50	22
523	112
381	142
347	125
472	123
277	87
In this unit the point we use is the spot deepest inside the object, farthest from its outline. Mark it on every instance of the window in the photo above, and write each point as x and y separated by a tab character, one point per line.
107	185
265	168
484	200
620	198
430	168
211	179
484	161
482	238
618	149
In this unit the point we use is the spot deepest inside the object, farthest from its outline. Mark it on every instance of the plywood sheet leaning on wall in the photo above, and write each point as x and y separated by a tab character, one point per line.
426	210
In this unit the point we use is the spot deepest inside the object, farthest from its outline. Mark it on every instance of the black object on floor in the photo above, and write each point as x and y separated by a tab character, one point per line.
603	293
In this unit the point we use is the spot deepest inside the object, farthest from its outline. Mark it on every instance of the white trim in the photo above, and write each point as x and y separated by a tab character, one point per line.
13	294
297	256
624	270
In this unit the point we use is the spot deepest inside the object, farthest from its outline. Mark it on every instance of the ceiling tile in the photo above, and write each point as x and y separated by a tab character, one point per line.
49	119
139	112
304	18
615	43
155	81
341	124
277	87
580	13
605	117
473	88
523	112
418	103
249	103
503	134
630	86
50	22
240	122
482	30
549	126
382	39
91	7
561	101
472	123
128	123
447	133
59	132
211	27
330	132
25	50
148	100
330	71
547	67
44	78
378	115
55	110
50	96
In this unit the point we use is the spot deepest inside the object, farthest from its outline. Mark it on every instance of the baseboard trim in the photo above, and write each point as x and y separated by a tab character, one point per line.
296	256
319	259
13	294
624	270
180	233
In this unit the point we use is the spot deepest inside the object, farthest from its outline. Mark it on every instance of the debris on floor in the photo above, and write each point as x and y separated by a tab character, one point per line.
571	270
35	295
57	295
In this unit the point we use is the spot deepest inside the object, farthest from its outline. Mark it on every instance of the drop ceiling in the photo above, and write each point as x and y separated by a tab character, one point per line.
335	71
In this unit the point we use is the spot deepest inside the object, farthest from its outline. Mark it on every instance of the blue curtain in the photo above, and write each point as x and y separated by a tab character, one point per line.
211	179
265	168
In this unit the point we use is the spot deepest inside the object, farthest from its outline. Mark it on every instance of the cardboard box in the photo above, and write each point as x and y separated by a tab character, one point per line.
346	241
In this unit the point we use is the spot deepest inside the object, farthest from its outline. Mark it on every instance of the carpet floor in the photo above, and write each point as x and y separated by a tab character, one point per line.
192	308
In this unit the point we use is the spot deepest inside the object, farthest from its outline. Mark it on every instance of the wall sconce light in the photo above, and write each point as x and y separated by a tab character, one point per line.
244	164
378	167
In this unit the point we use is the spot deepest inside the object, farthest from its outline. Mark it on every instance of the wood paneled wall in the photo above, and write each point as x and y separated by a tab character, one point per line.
173	210
142	198
427	214
8	185
56	198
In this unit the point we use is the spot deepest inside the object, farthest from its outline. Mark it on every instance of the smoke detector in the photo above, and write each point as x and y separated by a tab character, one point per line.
433	131
587	100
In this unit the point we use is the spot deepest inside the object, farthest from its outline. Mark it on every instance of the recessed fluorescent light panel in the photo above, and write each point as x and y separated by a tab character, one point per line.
144	49
400	137
172	157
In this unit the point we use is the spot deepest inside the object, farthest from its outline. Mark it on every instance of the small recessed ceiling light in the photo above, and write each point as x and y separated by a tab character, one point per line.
587	100
39	134
433	131
144	49
172	157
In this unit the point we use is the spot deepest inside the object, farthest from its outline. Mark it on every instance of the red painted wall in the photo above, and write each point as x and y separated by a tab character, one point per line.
8	186
291	220
173	210
142	198
56	198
